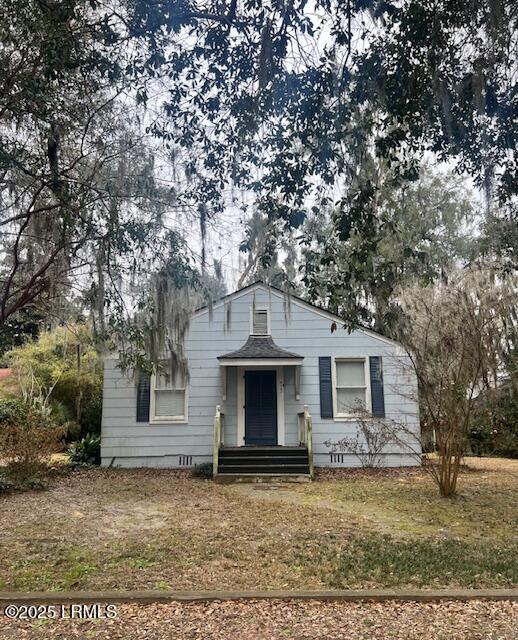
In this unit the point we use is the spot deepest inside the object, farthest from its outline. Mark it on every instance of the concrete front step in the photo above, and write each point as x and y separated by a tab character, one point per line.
257	459
259	469
262	478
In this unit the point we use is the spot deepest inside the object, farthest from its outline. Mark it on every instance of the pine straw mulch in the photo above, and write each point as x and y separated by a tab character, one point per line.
272	620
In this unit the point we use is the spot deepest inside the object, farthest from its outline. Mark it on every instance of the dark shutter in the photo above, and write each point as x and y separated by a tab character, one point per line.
377	395
143	394
326	388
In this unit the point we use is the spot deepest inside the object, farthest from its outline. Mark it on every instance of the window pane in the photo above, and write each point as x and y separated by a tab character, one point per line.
349	400
260	322
350	374
169	403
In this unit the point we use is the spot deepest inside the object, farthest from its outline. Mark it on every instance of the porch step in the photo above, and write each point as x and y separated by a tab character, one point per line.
263	478
278	469
262	451
266	460
263	461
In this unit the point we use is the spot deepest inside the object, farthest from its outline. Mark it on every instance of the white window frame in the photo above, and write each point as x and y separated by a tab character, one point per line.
183	419
367	386
269	328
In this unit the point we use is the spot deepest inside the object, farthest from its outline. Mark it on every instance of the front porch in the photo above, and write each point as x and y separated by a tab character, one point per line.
260	430
255	463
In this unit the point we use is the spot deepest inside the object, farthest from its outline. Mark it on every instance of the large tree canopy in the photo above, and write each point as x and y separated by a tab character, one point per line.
80	202
290	101
311	87
419	234
295	104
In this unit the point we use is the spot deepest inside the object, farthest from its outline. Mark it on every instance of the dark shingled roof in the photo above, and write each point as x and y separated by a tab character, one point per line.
259	347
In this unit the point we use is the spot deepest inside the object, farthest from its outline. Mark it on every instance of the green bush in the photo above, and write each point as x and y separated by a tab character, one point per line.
28	437
11	409
480	439
494	430
9	483
203	470
91	415
6	484
62	371
87	450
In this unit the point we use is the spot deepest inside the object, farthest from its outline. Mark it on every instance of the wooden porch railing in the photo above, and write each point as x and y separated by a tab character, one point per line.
218	439
306	435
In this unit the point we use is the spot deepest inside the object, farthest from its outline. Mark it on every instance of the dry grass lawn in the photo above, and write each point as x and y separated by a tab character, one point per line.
114	529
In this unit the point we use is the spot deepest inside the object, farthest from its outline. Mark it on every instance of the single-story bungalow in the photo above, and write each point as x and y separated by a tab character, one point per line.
272	383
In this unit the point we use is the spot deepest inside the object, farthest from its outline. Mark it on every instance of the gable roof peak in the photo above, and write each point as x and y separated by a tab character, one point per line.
300	301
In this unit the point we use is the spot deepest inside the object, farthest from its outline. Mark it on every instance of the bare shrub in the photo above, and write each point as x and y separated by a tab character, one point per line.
457	335
369	444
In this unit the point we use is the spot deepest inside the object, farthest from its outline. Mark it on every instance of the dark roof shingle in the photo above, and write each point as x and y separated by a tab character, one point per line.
259	347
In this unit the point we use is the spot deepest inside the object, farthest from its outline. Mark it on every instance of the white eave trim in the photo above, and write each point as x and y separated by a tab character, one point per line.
260	362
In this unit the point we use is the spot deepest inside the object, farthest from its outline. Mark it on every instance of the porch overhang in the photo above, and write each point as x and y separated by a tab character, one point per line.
260	351
260	348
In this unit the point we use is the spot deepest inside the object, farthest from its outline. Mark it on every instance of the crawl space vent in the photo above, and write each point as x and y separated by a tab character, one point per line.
185	461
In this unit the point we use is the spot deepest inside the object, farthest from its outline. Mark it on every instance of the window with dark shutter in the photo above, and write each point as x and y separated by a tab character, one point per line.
377	393
350	386
168	399
326	387
143	396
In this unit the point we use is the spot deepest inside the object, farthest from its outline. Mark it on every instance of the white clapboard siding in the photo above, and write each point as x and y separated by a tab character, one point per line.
295	327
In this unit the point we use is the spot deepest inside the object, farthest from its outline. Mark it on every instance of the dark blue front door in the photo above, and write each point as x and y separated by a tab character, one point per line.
261	407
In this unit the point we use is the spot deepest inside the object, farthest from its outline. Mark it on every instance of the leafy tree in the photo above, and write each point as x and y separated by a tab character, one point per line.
28	437
299	118
271	254
500	236
77	189
267	96
172	290
214	285
443	75
20	326
418	232
494	429
394	77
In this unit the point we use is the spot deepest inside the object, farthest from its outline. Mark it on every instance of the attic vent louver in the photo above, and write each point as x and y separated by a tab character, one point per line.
260	322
